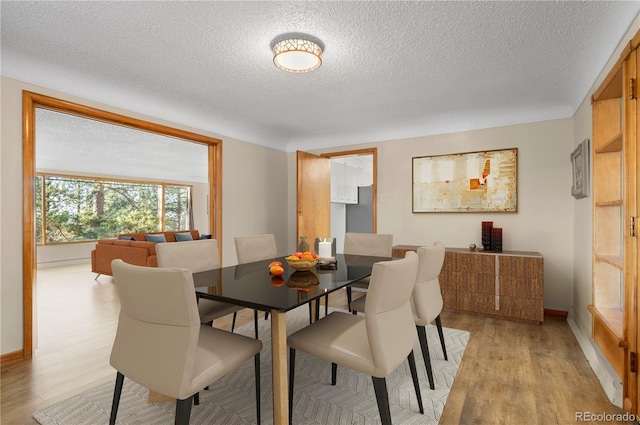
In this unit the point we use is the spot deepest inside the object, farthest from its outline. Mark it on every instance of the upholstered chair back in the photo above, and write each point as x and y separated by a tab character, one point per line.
388	317
158	328
255	248
376	245
196	256
427	299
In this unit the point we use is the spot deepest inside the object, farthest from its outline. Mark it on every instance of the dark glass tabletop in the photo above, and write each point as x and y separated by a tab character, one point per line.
251	285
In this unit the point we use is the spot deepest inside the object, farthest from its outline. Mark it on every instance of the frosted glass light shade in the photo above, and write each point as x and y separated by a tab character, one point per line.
297	55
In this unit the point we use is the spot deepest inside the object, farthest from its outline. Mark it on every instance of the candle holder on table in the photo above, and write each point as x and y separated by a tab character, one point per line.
326	250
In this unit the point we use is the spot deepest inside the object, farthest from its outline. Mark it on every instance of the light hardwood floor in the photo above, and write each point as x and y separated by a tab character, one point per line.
511	373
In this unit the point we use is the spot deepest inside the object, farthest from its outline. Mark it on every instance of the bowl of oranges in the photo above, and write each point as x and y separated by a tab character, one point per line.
302	261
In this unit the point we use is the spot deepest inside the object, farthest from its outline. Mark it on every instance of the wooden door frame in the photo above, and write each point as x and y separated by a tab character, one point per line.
31	101
374	196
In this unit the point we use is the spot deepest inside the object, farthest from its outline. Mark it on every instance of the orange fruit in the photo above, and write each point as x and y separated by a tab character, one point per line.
307	256
275	263
276	270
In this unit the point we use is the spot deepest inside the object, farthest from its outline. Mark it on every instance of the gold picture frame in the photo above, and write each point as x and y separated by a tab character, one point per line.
483	181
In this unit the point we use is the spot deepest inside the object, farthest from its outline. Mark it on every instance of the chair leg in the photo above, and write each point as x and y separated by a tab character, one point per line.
334	373
414	376
257	378
354	312
292	368
183	411
266	315
439	326
116	398
422	337
317	309
310	314
97	276
233	322
255	322
196	399
326	305
382	397
349	294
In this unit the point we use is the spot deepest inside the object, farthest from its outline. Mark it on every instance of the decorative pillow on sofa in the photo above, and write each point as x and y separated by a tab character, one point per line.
159	238
183	236
127	238
205	236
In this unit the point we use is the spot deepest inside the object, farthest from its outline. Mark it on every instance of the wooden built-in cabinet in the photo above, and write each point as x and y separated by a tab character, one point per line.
615	185
508	284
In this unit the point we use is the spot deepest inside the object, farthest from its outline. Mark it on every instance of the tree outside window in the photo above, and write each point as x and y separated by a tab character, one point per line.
73	209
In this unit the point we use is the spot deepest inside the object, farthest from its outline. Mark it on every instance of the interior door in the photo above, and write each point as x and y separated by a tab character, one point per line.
313	196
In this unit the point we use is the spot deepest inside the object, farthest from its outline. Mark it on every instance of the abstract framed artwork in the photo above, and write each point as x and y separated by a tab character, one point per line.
485	181
580	166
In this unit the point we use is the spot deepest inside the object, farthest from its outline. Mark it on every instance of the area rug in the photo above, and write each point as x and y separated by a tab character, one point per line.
231	400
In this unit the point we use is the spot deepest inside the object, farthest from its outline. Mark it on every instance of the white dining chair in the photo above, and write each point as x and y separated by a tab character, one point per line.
199	256
256	248
160	343
426	301
371	244
375	344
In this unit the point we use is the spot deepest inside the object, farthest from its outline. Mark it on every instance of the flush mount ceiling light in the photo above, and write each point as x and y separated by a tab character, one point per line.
297	53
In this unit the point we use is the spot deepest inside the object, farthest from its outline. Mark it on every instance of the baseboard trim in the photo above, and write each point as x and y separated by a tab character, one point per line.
13	357
556	313
609	380
58	263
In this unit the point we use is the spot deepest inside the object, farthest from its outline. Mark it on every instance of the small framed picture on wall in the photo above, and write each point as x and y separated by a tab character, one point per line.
580	165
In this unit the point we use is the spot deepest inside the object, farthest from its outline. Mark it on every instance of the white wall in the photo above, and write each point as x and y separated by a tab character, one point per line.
255	182
58	255
250	204
11	217
582	208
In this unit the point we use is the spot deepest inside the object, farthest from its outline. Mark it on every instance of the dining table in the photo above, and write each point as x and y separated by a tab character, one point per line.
251	285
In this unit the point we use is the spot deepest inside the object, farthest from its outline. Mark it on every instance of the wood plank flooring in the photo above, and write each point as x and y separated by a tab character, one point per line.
511	373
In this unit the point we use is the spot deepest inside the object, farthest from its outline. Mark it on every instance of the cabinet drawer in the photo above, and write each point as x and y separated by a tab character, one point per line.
478	303
480	263
459	262
521	287
522	308
528	267
478	283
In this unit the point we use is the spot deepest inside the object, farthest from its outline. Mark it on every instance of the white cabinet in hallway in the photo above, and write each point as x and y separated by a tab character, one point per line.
347	174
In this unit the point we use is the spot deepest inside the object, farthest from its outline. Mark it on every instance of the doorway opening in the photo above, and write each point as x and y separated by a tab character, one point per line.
31	103
353	193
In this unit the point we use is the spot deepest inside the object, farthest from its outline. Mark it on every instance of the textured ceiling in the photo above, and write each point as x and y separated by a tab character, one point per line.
390	69
69	144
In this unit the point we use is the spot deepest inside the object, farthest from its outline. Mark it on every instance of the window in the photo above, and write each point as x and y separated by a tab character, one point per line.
74	209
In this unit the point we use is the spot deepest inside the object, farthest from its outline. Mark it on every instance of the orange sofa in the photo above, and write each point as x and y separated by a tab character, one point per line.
139	252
